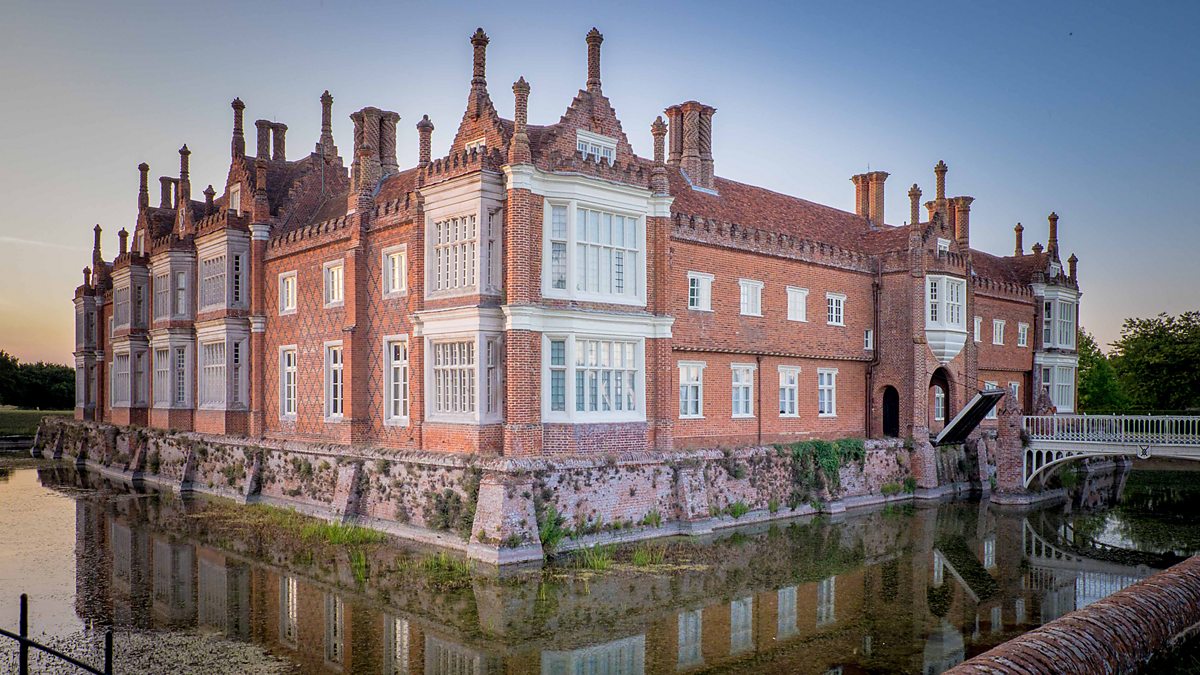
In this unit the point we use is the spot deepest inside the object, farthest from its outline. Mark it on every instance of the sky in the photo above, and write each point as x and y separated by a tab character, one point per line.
1088	109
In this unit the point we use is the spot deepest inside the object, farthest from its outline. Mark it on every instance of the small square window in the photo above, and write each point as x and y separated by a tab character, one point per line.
751	297
287	293
797	304
395	271
868	339
943	245
700	291
334	280
836	308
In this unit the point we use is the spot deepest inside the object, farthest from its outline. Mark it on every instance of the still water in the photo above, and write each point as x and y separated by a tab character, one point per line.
913	588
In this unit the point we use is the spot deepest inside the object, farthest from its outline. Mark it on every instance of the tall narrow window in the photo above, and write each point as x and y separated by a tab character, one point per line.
162	296
700	291
826	601
939	404
238	274
558	375
558	246
826	392
120	377
287	383
397	383
289	610
998	331
455	254
181	376
978	328
493	374
835	309
333	381
454	377
1022	335
287	293
395	271
797	304
1048	324
121	306
743	390
334	280
162	376
139	305
1066	324
868	339
235	199
789	391
181	304
691	389
235	372
1014	391
991	386
1064	388
334	628
751	296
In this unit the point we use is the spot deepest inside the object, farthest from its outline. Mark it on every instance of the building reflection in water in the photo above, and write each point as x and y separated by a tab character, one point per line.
909	589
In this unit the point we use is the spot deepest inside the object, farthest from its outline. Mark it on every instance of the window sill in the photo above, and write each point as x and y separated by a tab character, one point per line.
392	295
826	415
700	309
287	312
759	315
396	422
797	320
334	419
691	417
742	417
558	417
331	305
839	325
287	418
789	416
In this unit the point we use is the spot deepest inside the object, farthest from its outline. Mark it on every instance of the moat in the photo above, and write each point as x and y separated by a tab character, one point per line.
912	587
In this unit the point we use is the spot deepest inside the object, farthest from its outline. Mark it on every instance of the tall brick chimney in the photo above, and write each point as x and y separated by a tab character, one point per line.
209	193
518	149
914	204
166	197
1052	242
695	140
594	39
278	136
1019	235
122	242
939	199
1072	262
861	190
875	198
387	143
183	194
97	257
675	129
371	139
325	146
143	186
264	138
658	175
238	145
962	220
424	140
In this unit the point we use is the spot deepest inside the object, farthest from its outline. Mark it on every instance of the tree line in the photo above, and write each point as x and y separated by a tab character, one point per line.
42	386
1153	368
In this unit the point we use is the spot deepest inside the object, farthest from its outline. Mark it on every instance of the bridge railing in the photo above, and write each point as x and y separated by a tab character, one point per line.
1115	429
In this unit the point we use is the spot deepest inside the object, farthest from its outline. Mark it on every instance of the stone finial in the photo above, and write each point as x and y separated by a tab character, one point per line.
675	128
1019	235
479	68
518	150
658	175
594	39
278	141
1052	242
143	186
914	204
424	138
264	138
122	242
87	276
209	193
238	145
1072	263
939	170
962	220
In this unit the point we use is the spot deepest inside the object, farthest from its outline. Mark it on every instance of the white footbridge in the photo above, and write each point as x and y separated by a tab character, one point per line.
1056	439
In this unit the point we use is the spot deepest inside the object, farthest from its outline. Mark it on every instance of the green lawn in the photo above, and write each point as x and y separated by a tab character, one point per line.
14	422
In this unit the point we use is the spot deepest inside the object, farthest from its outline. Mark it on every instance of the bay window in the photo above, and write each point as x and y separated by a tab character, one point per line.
944	302
454	377
691	389
212	281
602	379
455	254
596	254
1058	323
743	390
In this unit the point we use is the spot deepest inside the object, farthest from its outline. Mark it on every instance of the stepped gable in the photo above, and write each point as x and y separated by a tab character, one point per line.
759	208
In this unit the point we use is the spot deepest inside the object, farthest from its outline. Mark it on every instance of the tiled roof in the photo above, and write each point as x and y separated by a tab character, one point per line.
1013	269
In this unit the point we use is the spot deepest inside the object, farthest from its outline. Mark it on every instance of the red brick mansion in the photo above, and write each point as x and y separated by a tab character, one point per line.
541	290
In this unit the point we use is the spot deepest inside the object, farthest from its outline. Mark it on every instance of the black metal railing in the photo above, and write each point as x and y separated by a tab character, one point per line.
24	645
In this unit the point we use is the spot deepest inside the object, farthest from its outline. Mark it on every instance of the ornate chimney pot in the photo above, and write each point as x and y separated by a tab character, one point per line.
914	204
594	39
424	134
238	145
479	68
1019	235
143	186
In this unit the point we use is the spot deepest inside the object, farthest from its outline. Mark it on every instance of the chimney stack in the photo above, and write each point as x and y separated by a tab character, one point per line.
914	204
166	198
675	128
1072	262
143	186
875	197
479	66
238	146
325	146
1052	243
594	38
97	258
939	171
87	276
424	134
706	156
658	175
278	136
264	138
1019	232
369	141
387	143
209	193
861	190
123	242
518	149
962	221
183	191
696	141
1037	248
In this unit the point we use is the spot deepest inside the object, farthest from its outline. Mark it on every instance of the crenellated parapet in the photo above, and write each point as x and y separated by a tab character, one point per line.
765	242
461	163
995	287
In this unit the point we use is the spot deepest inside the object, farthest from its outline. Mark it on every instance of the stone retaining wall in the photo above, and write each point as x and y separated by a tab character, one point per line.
492	506
1119	634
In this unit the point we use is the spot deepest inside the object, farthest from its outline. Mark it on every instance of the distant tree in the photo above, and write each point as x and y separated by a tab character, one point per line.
1099	388
46	386
1158	361
8	378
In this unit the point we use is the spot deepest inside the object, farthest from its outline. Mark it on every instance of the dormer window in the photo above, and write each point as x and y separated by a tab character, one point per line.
477	145
235	199
595	147
943	245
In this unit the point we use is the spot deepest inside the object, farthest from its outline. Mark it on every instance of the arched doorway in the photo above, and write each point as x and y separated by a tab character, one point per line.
891	412
940	410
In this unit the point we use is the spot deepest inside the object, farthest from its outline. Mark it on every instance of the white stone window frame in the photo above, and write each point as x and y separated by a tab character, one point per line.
235	199
177	380
392	257
573	416
941	307
478	144
1022	334
207	370
594	147
328	368
750	372
998	331
784	373
698	383
162	369
289	302
978	329
832	373
635	277
161	285
869	340
333	284
797	304
943	245
180	307
473	416
121	379
939	404
390	418
750	292
284	415
702	282
835	309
